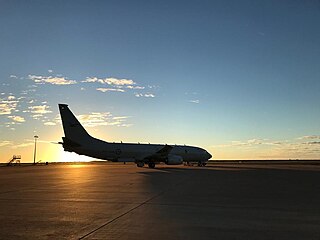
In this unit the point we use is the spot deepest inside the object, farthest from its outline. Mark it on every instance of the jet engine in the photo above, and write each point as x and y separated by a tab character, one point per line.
174	160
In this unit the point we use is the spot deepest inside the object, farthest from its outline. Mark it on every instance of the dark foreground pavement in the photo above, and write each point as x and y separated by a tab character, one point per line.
106	201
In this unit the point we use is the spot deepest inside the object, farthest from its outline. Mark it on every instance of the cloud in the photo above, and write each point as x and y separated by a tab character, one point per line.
102	119
194	101
23	145
250	143
7	105
117	118
312	143
92	80
309	137
95	119
255	141
30	89
121	82
118	85
148	95
5	143
17	119
13	76
110	90
50	123
110	81
30	142
11	97
50	71
135	87
285	149
39	111
51	80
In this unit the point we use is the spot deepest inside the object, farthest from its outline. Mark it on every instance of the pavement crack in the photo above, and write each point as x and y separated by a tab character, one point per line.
134	208
121	215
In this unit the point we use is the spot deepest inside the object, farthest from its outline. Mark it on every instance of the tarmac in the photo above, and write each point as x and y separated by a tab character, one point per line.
117	201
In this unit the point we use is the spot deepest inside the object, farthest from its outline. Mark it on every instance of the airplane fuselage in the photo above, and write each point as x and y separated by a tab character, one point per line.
135	152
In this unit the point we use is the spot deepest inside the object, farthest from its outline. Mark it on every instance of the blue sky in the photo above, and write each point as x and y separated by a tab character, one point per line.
239	78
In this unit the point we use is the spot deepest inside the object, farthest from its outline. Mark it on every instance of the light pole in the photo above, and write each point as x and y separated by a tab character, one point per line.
35	149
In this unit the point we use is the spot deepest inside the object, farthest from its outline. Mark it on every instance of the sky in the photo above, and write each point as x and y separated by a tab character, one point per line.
238	78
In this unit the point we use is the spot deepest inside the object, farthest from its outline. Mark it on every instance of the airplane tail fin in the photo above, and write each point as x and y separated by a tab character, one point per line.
73	130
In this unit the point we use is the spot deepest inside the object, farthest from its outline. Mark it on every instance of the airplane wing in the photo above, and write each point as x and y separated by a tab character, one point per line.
164	151
160	155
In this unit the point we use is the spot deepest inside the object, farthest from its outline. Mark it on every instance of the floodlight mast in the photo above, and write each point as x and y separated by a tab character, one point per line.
35	149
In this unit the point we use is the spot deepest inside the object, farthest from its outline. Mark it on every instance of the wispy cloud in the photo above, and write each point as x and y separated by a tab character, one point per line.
53	122
11	97
30	142
308	137
102	119
294	148
18	119
30	89
40	109
147	95
7	105
118	85
51	80
194	101
23	145
5	143
95	119
49	123
312	143
135	87
110	81
92	80
119	82
110	90
252	143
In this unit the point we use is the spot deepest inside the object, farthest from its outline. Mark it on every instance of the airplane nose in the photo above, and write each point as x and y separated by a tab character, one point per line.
209	155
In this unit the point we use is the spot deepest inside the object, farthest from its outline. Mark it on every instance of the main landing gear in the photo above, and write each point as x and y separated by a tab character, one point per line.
151	165
202	164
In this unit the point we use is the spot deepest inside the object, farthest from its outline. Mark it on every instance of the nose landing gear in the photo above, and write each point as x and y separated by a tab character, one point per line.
140	164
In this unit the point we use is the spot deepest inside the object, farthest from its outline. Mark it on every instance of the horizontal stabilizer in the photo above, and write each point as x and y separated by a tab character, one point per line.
69	143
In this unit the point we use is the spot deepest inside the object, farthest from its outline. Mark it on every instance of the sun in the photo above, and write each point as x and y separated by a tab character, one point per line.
73	157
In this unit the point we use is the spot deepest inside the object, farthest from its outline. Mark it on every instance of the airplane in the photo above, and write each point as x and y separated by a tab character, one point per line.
77	140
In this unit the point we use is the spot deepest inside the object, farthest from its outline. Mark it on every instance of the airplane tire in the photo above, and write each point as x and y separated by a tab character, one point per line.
140	164
151	165
202	164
